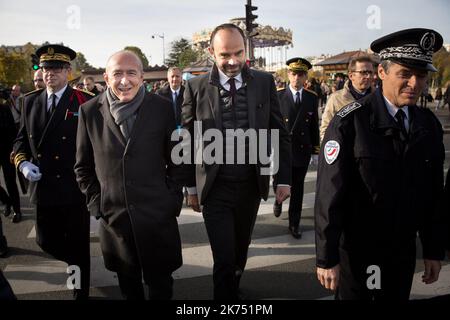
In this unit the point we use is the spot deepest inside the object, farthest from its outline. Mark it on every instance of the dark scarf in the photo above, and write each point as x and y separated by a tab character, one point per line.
357	95
124	113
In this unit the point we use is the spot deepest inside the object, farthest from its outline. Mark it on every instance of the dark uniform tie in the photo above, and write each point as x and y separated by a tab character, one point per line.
232	83
52	107
297	98
297	101
400	116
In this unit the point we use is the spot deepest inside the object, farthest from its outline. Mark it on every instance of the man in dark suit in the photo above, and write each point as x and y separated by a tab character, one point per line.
299	109
124	168
45	154
174	92
228	98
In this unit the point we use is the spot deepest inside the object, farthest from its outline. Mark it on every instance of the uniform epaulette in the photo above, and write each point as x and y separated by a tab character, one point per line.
280	89
348	109
87	92
34	91
313	92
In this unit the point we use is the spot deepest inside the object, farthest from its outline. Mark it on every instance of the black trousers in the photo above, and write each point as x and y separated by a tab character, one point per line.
230	212
396	275
160	286
9	173
297	190
63	232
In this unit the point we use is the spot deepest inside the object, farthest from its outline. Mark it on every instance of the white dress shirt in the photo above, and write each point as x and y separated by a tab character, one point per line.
58	97
294	93
392	109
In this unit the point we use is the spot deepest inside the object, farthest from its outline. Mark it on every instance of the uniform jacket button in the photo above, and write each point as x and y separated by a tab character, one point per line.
58	176
64	138
39	155
56	157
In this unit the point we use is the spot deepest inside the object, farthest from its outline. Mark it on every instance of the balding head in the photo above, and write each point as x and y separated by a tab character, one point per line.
38	80
124	74
15	92
125	54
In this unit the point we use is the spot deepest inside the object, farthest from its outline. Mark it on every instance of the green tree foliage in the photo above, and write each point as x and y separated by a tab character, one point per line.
441	60
182	54
139	53
15	68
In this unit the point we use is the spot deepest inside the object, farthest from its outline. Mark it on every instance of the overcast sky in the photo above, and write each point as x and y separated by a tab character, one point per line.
103	27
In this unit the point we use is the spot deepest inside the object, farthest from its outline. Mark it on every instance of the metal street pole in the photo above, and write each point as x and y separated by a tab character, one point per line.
164	47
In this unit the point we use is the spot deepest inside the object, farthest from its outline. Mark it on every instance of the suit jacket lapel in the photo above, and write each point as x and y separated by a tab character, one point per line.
109	120
144	107
214	103
39	117
251	102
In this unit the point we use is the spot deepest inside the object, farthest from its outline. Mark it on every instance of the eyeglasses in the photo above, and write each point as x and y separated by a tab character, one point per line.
364	72
54	69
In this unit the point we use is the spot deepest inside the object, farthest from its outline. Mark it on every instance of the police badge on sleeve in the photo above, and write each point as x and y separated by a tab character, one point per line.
331	151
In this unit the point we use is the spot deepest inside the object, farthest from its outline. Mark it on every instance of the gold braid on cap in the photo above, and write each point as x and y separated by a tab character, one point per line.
55	56
298	66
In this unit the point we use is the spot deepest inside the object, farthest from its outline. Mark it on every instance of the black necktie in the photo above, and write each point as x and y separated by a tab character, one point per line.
174	104
52	107
297	99
400	116
232	83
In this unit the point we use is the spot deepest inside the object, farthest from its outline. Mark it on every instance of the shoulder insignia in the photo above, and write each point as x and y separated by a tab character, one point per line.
349	108
310	91
280	89
87	92
34	91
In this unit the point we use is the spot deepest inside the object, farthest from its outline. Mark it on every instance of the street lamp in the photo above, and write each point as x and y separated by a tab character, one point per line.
164	50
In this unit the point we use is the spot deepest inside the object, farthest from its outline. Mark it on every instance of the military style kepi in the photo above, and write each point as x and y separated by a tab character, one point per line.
411	48
55	55
298	65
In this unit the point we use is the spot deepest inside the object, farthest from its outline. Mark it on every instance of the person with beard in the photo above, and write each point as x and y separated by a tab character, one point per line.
360	72
230	97
380	180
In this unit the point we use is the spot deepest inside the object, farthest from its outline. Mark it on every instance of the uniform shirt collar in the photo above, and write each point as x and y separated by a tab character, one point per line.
294	92
58	94
392	109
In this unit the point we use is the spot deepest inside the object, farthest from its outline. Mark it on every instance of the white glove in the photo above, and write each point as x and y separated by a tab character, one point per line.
30	171
314	159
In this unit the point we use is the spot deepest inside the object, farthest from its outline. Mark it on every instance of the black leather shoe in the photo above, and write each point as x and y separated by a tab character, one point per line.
3	247
277	209
17	217
295	232
7	210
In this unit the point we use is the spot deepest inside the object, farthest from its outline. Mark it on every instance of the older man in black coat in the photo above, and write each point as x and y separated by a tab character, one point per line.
124	167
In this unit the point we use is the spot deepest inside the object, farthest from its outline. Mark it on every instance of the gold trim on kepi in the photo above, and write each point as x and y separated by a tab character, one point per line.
298	65
54	55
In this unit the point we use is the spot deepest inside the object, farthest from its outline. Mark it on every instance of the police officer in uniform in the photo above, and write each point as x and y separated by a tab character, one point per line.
299	109
380	179
45	154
